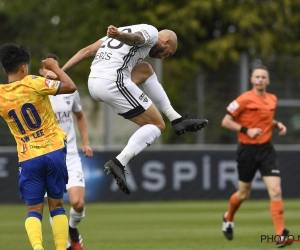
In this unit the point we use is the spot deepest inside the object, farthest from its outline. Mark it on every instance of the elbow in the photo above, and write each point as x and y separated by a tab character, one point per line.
223	123
87	52
69	89
73	89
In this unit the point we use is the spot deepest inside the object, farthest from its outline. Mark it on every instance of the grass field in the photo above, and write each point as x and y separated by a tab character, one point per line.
158	226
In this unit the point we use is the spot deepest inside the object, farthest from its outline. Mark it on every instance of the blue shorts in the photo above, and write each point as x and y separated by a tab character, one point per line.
45	173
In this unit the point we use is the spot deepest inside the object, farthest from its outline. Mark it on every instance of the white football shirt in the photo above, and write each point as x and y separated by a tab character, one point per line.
63	106
115	59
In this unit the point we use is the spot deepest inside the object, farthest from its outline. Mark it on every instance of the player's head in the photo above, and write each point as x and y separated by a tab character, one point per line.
165	46
260	77
14	59
42	69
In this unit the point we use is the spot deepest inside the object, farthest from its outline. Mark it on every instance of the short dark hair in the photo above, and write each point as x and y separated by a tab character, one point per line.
12	56
259	67
55	57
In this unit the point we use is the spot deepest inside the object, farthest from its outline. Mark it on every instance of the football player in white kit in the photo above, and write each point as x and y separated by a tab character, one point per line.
64	106
117	69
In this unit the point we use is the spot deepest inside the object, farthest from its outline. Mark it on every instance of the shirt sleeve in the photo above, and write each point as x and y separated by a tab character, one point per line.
76	104
236	107
150	33
45	86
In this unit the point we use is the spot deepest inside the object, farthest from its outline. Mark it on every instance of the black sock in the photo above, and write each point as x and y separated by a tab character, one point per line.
117	162
178	120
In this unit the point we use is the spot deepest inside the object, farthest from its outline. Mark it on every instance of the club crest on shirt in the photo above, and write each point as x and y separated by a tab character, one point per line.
33	77
51	83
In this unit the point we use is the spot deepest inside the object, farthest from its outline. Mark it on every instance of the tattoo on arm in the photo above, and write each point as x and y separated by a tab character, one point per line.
132	39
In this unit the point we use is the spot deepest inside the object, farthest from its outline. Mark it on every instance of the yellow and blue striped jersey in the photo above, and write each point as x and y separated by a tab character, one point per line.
26	108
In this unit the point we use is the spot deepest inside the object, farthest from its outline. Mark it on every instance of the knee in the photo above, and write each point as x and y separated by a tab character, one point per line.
243	195
275	193
78	205
141	72
161	126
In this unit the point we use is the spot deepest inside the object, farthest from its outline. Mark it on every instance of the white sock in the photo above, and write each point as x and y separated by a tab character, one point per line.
157	94
142	138
75	217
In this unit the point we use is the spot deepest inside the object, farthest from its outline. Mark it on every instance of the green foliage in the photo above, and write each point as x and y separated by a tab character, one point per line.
211	33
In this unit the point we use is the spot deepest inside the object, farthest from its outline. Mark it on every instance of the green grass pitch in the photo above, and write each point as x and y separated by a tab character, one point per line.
158	226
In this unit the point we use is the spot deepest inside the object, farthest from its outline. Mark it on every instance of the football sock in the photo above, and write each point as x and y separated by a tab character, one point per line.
276	209
33	227
157	94
234	204
60	230
142	138
75	217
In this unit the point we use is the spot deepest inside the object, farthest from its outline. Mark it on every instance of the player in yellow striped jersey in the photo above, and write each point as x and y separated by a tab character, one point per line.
41	143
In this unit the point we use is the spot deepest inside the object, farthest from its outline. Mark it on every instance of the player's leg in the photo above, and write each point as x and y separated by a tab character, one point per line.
246	170
273	185
32	189
271	176
235	201
76	192
143	74
77	213
129	101
59	221
33	223
56	180
151	125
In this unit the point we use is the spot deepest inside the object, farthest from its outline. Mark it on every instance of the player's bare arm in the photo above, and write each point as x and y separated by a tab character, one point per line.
82	127
130	39
280	126
86	52
68	86
230	123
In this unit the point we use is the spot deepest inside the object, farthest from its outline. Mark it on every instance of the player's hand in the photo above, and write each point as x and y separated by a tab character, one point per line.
50	63
254	132
113	32
50	75
282	128
88	151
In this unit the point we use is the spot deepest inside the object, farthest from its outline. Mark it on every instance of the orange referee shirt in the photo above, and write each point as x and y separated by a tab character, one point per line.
253	111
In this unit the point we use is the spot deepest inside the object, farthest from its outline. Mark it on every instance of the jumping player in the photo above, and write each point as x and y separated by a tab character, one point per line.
116	71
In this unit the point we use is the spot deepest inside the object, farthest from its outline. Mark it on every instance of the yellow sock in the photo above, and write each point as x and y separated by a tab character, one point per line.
60	229
34	231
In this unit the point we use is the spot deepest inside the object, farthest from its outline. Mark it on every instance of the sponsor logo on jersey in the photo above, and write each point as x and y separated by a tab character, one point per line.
33	77
51	83
233	106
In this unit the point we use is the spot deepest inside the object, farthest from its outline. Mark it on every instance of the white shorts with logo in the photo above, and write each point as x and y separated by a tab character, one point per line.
76	176
125	97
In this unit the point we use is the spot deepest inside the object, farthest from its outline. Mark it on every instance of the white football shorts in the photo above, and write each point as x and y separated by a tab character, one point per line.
76	176
125	97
